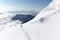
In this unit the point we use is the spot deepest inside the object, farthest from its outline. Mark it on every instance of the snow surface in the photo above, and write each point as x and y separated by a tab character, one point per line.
45	26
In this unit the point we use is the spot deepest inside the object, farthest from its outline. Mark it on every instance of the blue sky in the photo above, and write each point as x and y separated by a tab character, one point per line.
24	4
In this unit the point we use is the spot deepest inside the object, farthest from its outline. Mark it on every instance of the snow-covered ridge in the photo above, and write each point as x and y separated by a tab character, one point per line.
51	9
50	28
34	29
8	18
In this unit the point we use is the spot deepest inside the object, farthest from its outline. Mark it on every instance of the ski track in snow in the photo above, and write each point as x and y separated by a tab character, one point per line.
32	29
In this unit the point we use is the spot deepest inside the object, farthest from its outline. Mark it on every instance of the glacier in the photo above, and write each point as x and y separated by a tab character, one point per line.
45	26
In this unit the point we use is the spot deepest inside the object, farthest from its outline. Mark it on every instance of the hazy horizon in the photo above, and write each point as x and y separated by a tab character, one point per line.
23	4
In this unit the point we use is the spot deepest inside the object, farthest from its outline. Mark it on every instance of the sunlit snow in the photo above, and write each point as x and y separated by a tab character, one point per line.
45	26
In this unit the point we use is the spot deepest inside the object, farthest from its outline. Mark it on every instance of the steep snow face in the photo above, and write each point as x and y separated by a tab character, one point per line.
51	9
46	25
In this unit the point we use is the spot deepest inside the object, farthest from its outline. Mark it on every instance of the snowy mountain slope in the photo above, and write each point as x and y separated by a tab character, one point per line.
6	18
48	30
46	25
10	30
51	9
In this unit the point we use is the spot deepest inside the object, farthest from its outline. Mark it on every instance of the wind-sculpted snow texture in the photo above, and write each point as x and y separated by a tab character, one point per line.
45	26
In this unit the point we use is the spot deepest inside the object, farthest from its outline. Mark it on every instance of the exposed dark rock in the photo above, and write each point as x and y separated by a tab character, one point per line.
23	18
